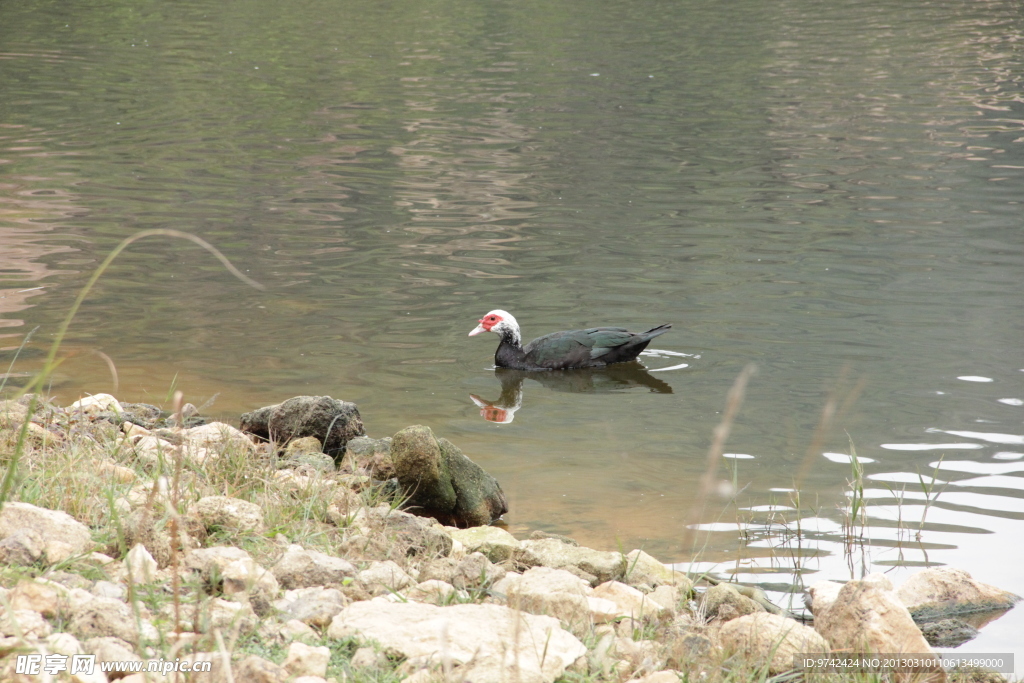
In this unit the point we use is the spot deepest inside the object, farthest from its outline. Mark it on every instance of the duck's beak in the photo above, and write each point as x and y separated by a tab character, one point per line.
477	330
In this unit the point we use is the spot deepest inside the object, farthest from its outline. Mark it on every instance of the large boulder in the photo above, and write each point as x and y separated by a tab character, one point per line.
772	639
331	421
439	481
867	617
486	643
62	535
941	592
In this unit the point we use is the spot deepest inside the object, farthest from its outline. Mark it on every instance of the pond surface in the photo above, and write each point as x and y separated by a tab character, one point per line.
831	193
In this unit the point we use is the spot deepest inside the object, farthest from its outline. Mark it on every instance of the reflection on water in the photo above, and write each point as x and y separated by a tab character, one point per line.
803	189
617	377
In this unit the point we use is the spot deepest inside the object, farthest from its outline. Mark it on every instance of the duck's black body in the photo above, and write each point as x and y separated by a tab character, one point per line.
588	348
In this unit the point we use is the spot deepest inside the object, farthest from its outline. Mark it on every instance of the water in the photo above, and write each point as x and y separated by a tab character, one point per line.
831	194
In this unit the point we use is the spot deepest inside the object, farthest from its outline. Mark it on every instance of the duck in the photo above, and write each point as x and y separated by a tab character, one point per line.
590	348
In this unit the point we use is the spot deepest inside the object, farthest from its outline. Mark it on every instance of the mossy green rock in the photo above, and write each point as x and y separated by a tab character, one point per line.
422	470
439	481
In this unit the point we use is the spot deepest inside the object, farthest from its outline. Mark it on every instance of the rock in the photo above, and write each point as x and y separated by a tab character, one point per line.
107	589
331	421
12	414
229	513
23	623
304	660
476	571
140	564
372	456
822	595
439	481
46	597
210	562
630	602
642	655
497	544
665	676
151	449
118	473
367	657
293	629
485	642
299	568
941	592
687	647
948	632
225	615
105	617
725	602
141	414
769	638
245	577
553	592
419	536
314	606
63	536
437	592
866	618
152	530
254	669
386	576
302	446
641	568
440	568
24	547
669	596
98	403
218	438
110	649
549	552
306	458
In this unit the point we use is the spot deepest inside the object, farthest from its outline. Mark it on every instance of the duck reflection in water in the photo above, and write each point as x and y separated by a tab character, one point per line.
618	377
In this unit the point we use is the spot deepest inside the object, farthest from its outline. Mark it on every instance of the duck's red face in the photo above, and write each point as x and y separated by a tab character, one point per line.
487	323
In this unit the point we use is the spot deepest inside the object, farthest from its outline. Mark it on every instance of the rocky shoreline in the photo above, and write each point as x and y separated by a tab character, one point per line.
296	548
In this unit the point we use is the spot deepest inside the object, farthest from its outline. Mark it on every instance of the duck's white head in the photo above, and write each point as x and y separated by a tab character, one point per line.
501	323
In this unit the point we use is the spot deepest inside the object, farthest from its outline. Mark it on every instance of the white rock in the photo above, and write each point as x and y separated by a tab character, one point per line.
487	641
229	513
643	568
602	610
823	595
631	602
207	560
383	577
299	568
141	564
218	436
944	591
151	449
555	592
435	591
665	676
23	623
770	638
97	403
865	618
64	643
63	535
367	657
306	660
46	597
